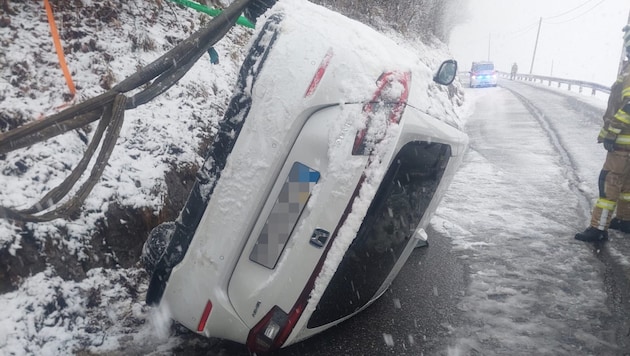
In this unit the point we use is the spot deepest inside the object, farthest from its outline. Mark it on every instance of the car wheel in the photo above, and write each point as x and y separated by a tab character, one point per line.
156	244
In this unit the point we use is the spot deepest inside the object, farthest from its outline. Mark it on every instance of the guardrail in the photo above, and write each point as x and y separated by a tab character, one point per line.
569	82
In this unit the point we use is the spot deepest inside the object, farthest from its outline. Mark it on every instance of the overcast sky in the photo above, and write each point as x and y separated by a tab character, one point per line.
579	39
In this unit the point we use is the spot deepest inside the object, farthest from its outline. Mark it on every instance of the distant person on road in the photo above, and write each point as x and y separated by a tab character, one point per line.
513	72
614	178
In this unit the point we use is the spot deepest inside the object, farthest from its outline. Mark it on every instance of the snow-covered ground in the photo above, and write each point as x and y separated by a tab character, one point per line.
155	136
507	212
526	187
48	315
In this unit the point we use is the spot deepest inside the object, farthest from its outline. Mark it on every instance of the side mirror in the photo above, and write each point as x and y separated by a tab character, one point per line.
447	72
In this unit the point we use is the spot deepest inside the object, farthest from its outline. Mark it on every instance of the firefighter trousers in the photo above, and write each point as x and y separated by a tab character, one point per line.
614	190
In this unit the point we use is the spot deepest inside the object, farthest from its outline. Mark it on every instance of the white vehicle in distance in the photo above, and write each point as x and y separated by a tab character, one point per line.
324	173
483	74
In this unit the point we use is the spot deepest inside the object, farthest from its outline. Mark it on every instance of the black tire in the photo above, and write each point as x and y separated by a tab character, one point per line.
257	8
156	244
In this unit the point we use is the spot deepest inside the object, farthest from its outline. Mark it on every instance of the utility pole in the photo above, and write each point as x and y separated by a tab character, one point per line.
489	35
531	68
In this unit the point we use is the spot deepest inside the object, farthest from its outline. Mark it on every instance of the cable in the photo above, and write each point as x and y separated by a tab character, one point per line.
515	34
522	30
573	9
578	16
110	107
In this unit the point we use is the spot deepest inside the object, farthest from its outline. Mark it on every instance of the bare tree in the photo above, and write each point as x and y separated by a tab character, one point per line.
423	17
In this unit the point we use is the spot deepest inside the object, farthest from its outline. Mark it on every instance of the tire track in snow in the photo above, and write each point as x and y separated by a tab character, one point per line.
510	216
566	158
614	258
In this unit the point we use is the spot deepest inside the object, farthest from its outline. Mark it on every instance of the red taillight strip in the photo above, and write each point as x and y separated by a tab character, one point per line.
396	112
382	82
204	316
319	74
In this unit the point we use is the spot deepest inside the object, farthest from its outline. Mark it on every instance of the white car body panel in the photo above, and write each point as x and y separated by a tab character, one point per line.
287	123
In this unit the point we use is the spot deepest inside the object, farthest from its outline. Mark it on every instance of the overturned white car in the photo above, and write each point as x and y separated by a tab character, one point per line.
319	184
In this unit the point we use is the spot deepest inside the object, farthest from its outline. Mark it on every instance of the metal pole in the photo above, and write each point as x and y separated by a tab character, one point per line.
531	68
489	47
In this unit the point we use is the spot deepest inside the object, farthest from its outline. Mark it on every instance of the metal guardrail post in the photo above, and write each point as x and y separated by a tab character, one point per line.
595	87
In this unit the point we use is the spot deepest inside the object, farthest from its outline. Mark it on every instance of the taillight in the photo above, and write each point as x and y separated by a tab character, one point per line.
389	100
270	332
204	317
319	74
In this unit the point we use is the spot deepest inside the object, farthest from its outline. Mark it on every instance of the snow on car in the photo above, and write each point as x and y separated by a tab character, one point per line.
324	173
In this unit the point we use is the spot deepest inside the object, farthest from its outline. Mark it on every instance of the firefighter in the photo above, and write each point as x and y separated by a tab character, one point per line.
614	178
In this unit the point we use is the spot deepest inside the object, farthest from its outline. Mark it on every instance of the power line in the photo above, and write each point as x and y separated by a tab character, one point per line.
568	11
578	16
528	27
522	31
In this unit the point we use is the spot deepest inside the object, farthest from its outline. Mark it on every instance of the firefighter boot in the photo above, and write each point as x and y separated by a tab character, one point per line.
621	225
592	234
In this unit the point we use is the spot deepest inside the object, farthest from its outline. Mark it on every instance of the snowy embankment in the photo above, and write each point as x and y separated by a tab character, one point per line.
105	43
79	294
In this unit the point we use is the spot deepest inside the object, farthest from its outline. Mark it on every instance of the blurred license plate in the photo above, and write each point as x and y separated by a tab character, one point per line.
284	215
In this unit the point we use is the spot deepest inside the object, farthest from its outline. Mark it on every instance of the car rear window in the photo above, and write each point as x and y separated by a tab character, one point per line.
483	66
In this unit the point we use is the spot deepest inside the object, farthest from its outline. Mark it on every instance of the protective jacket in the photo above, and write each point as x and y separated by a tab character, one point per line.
614	178
617	116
